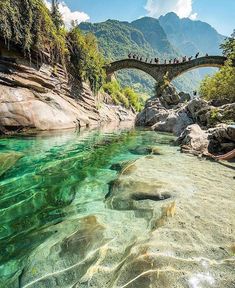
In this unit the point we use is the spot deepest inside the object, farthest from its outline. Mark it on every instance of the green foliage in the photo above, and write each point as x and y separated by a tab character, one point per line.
56	15
221	86
85	58
124	96
30	25
229	46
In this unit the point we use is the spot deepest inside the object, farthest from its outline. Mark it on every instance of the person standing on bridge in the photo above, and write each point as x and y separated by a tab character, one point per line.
190	58
197	55
129	55
207	55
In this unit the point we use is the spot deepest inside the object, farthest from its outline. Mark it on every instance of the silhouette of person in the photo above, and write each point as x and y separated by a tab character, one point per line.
146	60
207	55
129	55
197	55
156	60
165	61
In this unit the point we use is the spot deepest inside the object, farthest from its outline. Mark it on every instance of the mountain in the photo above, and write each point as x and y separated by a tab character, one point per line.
166	38
154	35
117	39
191	36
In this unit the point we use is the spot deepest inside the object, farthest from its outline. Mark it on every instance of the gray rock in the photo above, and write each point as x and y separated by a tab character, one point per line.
221	138
153	113
193	140
169	97
39	99
184	97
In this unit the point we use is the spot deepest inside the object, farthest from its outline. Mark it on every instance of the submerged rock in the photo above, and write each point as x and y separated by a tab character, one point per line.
145	195
8	160
145	150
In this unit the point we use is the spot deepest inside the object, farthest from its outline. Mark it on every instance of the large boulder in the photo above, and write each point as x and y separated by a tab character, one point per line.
169	97
152	113
159	118
175	122
221	138
209	116
193	140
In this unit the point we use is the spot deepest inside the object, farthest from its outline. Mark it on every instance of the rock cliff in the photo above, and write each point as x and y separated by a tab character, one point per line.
43	97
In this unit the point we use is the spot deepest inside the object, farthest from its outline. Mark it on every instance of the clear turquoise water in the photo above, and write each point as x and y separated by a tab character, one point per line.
57	189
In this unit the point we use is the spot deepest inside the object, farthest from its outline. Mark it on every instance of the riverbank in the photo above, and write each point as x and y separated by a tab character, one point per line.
201	127
42	97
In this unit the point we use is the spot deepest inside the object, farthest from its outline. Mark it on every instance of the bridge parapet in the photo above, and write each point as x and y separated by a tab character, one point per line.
157	71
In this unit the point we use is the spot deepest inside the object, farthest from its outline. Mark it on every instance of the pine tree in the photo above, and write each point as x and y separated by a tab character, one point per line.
56	15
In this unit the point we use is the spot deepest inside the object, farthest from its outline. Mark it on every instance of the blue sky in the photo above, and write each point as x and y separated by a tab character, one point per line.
219	13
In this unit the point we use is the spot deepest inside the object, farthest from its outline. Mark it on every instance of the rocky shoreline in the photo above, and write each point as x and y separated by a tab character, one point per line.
46	98
201	127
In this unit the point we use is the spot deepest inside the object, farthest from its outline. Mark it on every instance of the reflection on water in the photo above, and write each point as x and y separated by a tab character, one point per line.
58	230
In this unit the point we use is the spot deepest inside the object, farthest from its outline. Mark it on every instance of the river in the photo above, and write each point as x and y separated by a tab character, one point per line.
74	213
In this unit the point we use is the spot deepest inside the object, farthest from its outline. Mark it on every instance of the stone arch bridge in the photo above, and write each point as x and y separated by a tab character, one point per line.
158	71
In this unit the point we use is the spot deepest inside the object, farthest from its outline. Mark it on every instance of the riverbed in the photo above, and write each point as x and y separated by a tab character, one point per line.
113	207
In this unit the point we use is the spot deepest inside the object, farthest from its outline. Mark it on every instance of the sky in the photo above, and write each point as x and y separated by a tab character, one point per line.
218	13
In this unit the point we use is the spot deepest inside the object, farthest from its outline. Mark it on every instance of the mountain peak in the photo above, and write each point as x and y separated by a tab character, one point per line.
171	16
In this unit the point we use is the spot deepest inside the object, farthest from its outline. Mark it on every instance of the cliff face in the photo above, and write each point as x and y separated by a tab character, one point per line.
46	99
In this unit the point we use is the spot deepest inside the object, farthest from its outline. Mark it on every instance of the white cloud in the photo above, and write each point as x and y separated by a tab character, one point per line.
183	8
68	15
193	16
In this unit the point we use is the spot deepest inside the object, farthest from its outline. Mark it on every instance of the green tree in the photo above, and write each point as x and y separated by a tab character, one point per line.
221	86
124	96
56	15
85	58
229	46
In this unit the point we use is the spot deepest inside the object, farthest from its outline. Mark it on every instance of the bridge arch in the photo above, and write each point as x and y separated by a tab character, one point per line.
158	71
